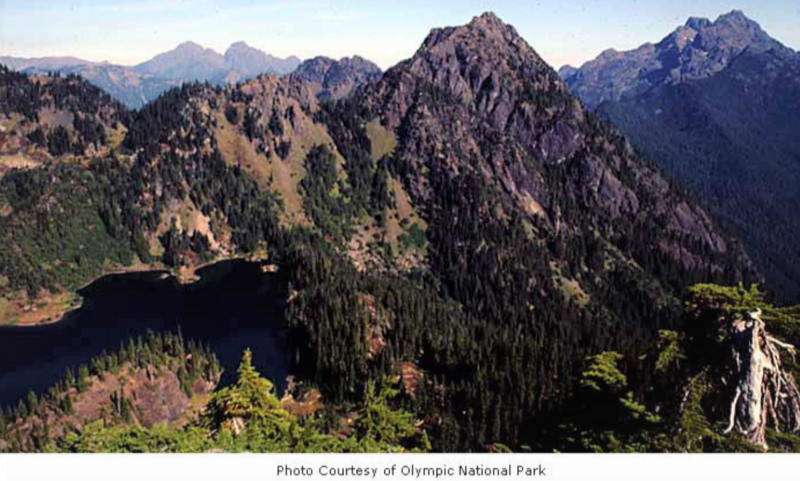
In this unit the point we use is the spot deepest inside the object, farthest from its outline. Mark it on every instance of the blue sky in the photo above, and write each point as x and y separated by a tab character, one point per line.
128	32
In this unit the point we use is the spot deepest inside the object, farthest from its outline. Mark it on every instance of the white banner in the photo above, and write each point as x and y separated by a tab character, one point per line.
406	467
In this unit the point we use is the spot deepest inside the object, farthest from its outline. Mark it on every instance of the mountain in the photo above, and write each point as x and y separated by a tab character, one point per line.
244	62
123	83
189	61
567	71
44	63
54	117
461	220
332	79
137	85
696	50
186	61
715	104
480	92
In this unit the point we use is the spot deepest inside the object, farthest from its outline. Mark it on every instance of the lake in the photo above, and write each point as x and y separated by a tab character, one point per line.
232	307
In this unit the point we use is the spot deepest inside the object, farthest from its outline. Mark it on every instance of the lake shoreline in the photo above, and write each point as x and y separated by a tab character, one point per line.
184	276
235	305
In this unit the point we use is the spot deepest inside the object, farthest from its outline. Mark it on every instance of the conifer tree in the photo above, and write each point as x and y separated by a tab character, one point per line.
250	399
33	402
83	378
378	421
69	380
22	410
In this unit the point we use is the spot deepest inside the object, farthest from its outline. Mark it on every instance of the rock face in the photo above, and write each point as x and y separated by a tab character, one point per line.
123	83
332	79
696	50
475	100
715	104
480	92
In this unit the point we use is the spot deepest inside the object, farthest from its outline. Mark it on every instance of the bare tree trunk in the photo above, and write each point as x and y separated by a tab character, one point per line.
765	395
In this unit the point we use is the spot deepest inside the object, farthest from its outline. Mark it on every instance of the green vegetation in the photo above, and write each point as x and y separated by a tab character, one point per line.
490	350
413	237
707	134
678	410
154	352
73	222
326	200
248	417
40	250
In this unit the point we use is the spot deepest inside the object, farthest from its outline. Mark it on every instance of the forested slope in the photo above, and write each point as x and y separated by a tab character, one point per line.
461	226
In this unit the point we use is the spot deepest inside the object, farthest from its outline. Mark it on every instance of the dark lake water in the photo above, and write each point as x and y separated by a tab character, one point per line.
232	307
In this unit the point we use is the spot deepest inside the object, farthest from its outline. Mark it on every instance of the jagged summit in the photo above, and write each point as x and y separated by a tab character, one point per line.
488	28
698	49
477	62
488	20
481	92
697	23
735	16
334	79
715	104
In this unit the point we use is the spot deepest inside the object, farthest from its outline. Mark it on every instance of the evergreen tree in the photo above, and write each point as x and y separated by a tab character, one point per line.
378	422
83	378
250	399
69	380
33	402
22	410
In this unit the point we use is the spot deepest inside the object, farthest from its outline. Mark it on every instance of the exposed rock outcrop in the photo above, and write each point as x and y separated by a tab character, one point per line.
696	50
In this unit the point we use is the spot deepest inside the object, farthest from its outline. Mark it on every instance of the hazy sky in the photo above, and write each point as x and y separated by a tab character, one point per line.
128	32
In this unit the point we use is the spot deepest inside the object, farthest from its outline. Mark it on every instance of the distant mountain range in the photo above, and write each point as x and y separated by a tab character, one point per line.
717	105
461	220
136	85
697	50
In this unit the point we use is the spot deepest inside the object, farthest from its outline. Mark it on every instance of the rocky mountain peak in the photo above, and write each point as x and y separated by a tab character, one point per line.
189	46
188	60
490	75
486	31
244	57
736	17
696	50
478	62
334	79
697	23
488	20
735	32
238	46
